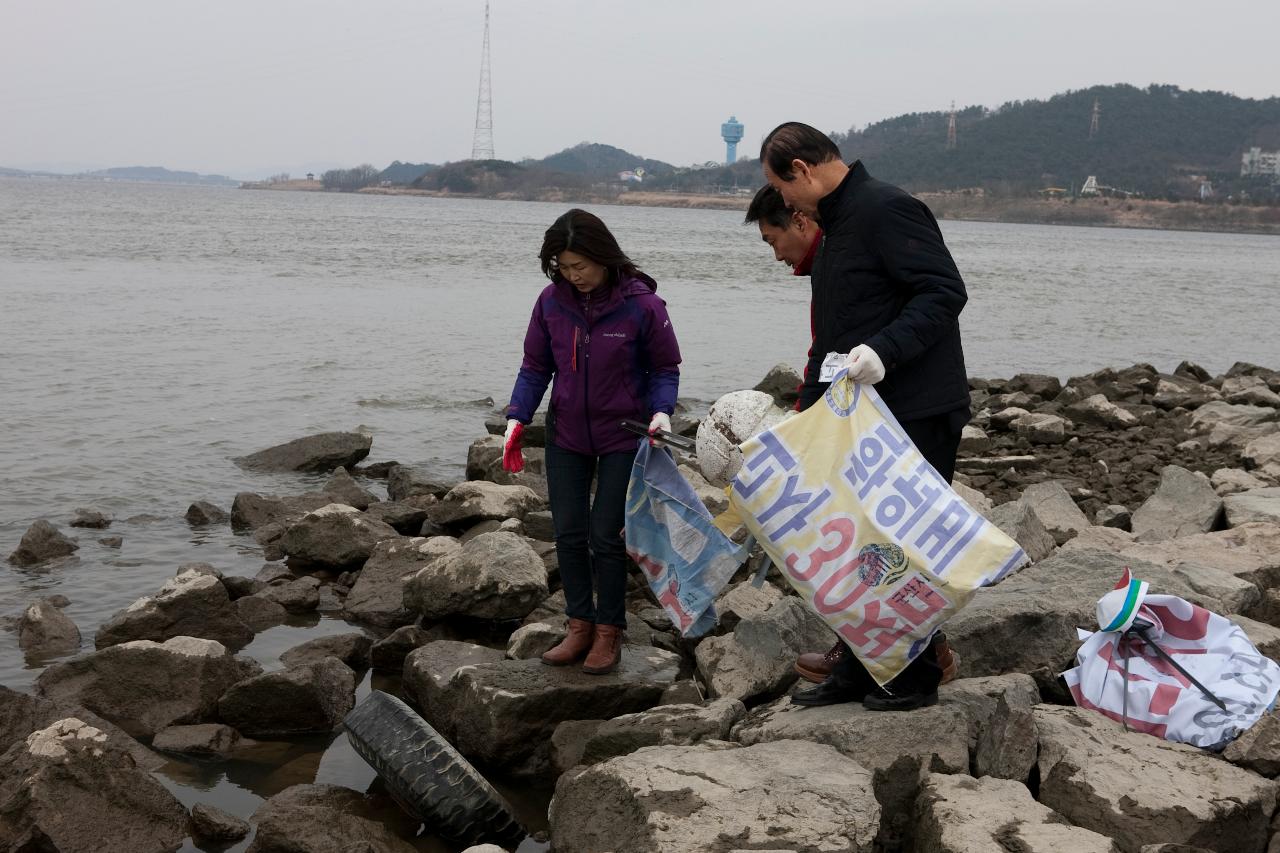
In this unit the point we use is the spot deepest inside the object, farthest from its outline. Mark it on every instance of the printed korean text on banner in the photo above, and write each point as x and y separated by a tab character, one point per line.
864	528
1121	674
673	538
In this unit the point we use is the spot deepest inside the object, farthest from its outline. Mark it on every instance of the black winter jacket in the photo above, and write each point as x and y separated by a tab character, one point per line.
883	277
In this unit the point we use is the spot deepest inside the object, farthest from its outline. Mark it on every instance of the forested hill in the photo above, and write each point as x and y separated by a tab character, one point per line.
1151	140
595	160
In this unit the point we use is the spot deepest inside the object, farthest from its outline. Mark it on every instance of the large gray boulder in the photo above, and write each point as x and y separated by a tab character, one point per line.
1184	504
961	814
1258	748
758	657
389	653
1228	565
1027	623
41	542
68	788
336	536
405	517
897	747
743	600
323	819
1019	520
1262	450
345	490
1253	506
1098	410
998	734
405	483
475	501
1139	789
494	576
791	795
1210	415
251	511
213	826
192	604
1041	428
427	669
663	725
300	699
503	714
351	648
22	713
322	452
183	679
301	595
44	630
782	383
201	513
1250	391
378	596
212	741
1055	509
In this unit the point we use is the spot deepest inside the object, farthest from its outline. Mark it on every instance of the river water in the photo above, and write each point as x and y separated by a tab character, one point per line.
148	333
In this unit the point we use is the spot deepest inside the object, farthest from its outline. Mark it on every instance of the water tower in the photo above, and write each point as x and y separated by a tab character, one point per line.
731	132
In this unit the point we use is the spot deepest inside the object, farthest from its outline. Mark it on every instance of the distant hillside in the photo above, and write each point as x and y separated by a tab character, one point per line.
499	177
1151	140
159	174
602	162
405	173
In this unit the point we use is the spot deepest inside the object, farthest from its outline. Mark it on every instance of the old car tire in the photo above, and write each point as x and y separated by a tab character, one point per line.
427	776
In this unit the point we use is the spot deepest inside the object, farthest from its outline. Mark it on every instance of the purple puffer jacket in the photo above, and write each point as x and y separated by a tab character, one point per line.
617	359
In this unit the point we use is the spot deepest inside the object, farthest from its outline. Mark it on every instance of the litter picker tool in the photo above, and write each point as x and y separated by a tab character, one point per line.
1140	627
679	442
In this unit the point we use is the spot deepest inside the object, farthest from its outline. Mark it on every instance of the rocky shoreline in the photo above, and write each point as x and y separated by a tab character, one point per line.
690	745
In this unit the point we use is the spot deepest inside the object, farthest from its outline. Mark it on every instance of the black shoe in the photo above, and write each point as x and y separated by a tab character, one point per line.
829	692
882	701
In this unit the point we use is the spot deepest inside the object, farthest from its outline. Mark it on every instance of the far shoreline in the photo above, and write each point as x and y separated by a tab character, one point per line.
962	206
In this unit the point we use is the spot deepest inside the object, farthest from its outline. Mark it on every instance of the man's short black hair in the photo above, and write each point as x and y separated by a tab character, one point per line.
769	207
796	141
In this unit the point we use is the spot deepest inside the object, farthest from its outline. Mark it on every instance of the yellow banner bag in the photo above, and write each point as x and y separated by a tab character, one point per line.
864	528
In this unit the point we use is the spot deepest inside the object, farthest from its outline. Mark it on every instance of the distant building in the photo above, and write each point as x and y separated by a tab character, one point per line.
1256	163
311	176
731	132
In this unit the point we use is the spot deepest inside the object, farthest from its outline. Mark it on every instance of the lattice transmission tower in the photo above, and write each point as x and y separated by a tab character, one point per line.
1093	119
482	142
951	127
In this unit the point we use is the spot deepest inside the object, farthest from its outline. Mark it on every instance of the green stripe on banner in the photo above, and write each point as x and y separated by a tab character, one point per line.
1130	602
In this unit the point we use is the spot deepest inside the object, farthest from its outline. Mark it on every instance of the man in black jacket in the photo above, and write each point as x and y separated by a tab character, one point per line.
885	291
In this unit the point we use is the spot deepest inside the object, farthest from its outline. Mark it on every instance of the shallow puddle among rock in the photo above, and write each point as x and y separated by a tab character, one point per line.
240	785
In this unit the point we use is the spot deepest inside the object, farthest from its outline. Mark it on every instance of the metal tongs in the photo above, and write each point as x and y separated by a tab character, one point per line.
679	442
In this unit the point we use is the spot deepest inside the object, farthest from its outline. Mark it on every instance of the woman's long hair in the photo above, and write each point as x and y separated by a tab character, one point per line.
584	233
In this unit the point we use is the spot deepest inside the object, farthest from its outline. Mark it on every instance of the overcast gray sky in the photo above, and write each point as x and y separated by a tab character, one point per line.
250	87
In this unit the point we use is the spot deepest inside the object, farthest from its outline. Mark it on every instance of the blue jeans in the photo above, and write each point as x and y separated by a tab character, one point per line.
589	541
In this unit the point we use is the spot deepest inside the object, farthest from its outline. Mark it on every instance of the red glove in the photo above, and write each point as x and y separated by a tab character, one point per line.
512	458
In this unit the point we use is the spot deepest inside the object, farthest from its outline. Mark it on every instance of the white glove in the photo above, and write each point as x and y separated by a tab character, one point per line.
865	367
660	421
512	423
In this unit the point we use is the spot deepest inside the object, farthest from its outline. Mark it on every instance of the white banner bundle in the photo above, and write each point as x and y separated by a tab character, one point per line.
1120	674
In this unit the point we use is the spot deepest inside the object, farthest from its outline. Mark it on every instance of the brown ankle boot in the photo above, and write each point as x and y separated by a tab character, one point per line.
606	650
573	646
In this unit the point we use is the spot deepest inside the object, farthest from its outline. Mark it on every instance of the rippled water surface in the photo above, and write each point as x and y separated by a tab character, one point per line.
149	333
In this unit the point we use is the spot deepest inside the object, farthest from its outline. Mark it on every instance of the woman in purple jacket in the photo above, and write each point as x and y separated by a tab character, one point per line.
603	335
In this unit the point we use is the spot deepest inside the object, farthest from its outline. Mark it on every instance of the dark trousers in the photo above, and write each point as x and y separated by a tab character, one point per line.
938	439
589	543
